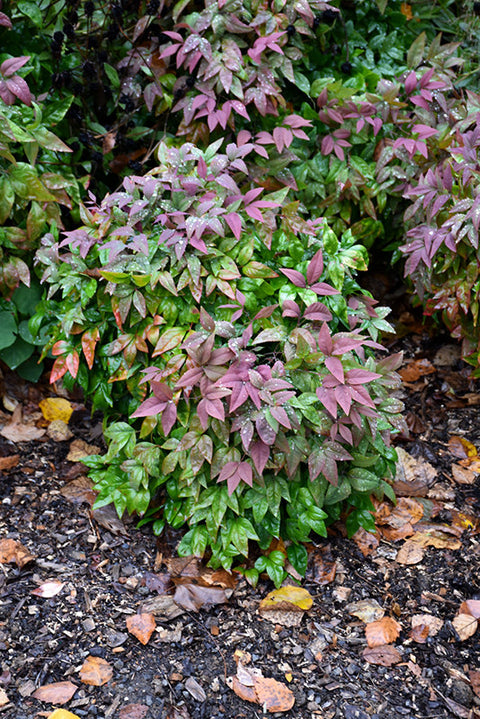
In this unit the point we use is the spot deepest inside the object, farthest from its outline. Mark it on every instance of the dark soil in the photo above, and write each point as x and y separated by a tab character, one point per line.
47	640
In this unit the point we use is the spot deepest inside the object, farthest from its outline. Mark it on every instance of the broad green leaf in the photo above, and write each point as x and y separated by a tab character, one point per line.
49	141
416	51
7	198
8	329
16	353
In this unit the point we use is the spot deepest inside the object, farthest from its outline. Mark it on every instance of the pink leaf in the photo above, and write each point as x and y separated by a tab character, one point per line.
169	417
234	221
294	276
343	396
410	83
315	267
20	89
324	289
259	452
325	343
9	67
5	21
335	367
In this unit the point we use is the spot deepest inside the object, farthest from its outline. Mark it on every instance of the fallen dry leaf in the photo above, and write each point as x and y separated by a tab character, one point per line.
367	542
56	693
79	490
419	633
271	695
180	712
163	606
462	448
141	626
18	431
59	431
289	598
9	462
413	476
133	711
95	671
195	689
415	369
368	610
48	589
54	408
474	677
324	567
463	475
108	518
194	596
62	714
410	553
80	449
434	624
12	551
471	606
465	625
436	535
385	655
193	568
4	700
383	631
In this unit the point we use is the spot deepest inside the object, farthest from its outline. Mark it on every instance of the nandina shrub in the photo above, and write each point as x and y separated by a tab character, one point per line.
236	329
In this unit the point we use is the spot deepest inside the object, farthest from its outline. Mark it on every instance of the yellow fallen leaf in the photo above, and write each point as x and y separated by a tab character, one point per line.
62	714
289	598
56	408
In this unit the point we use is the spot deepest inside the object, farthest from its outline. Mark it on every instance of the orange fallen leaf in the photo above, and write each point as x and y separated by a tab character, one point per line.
56	693
383	631
141	626
62	714
273	696
13	551
95	671
415	369
9	462
465	625
419	633
385	655
410	553
48	589
471	606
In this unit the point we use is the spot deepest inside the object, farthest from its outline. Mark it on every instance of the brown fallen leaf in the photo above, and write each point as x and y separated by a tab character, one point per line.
48	589
79	490
385	655
13	551
474	677
133	711
95	671
368	610
80	449
434	624
465	625
141	626
324	567
383	631
18	431
413	476
463	475
59	431
439	536
367	542
56	693
471	606
163	606
419	633
461	448
174	712
108	518
194	596
190	568
410	553
9	462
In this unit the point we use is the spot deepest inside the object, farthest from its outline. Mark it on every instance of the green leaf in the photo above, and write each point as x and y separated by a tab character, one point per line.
16	353
31	370
32	11
298	558
8	329
56	111
302	82
7	198
416	51
49	141
112	75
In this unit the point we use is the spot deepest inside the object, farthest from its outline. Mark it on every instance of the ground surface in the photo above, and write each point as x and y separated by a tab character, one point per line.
107	576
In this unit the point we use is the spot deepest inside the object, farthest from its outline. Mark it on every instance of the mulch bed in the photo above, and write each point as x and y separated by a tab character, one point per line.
44	640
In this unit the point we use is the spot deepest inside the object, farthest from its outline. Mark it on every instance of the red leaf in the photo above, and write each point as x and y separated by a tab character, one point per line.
72	362
20	89
259	452
89	340
325	343
59	369
9	67
169	417
335	366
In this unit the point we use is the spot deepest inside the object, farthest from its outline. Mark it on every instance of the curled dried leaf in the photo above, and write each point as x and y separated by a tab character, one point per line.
383	631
